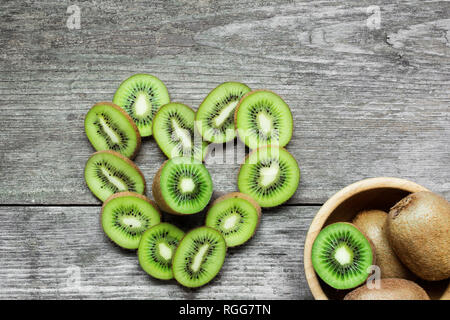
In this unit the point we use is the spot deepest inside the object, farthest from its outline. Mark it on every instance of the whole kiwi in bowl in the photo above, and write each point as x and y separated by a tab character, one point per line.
389	289
418	229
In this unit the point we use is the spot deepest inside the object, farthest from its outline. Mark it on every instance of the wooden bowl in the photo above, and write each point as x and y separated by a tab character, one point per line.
375	193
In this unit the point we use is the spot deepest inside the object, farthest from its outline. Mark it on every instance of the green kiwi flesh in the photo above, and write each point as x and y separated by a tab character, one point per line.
156	249
108	127
182	186
215	116
108	172
270	175
141	96
199	257
236	216
174	132
126	216
341	256
263	118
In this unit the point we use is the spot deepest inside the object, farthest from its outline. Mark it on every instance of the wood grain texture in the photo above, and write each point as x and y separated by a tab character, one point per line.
45	249
366	102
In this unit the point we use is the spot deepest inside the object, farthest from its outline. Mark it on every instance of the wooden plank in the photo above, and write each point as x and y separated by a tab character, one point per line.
62	252
366	102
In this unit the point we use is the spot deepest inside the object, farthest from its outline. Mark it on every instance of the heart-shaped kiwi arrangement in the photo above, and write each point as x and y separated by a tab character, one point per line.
141	107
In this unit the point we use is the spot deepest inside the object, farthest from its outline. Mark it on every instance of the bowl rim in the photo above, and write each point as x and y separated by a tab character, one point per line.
330	205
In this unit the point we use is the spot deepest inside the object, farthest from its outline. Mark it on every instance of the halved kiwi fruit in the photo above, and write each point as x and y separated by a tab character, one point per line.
108	172
341	256
141	95
156	250
215	116
109	127
199	257
182	186
126	216
174	132
236	216
263	118
270	175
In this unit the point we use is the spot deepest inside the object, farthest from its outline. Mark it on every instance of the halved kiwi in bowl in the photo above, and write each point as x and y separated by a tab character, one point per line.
199	257
141	96
236	216
108	172
215	115
342	256
109	127
270	175
263	118
182	186
126	216
175	133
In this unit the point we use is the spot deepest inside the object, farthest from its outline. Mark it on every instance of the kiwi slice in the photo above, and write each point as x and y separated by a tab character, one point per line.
173	130
126	216
236	216
341	256
108	172
182	186
215	116
270	175
141	95
263	118
156	249
109	127
199	257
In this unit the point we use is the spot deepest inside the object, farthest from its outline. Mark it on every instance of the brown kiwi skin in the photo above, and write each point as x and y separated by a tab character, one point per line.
245	197
239	104
132	194
157	195
390	289
372	224
419	232
138	135
127	160
239	195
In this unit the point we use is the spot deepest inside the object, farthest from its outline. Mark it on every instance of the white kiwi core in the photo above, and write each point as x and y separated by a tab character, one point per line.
199	257
268	175
165	251
142	105
225	113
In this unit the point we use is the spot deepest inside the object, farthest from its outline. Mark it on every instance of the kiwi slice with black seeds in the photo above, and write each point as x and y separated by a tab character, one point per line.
199	257
215	116
141	96
108	172
156	250
126	216
236	216
175	133
109	127
341	256
270	175
182	186
263	118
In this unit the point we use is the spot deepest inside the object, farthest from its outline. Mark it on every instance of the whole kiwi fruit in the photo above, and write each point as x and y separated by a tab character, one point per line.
418	229
372	224
390	289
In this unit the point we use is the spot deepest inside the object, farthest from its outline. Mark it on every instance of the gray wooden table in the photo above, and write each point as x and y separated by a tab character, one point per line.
368	83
